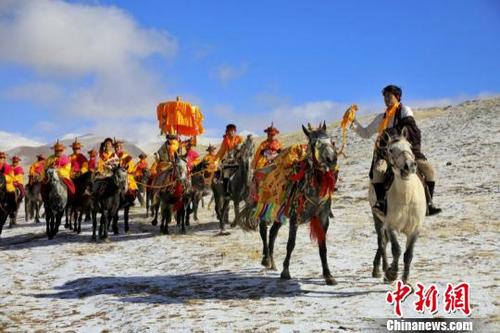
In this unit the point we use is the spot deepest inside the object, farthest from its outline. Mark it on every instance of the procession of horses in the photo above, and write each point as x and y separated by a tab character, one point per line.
267	186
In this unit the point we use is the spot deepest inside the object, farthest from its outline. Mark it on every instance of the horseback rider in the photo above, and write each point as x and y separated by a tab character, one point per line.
212	164
169	151
126	162
107	157
18	178
154	167
396	117
141	166
62	164
8	173
92	163
268	149
230	142
79	163
36	169
192	156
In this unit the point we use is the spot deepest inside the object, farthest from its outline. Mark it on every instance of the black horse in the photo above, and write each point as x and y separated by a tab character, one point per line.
80	203
238	183
106	194
33	200
308	199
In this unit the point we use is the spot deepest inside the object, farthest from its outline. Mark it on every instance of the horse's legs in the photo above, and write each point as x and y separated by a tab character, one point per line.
324	260
67	224
125	218
181	215
156	208
273	233
236	213
47	223
94	225
37	212
408	256
27	207
265	248
115	224
392	272
381	245
292	234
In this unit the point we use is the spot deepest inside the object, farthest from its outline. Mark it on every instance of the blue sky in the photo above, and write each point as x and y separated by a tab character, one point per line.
247	62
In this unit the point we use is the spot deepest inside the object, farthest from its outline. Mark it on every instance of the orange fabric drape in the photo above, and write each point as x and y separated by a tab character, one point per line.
389	114
180	117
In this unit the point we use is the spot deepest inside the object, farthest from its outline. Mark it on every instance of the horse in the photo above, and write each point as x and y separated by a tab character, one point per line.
171	195
55	199
7	201
142	189
33	200
198	189
126	201
406	208
308	199
80	203
106	194
238	183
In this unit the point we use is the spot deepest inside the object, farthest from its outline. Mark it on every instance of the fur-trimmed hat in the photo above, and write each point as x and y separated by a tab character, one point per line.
76	144
272	130
211	148
58	146
16	159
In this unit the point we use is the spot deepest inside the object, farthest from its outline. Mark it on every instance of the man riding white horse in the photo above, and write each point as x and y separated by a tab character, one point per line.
396	117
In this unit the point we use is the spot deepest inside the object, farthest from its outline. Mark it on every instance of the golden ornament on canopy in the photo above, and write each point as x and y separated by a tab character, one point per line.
180	117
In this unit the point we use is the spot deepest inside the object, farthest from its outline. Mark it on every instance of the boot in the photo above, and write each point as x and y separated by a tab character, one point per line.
431	209
380	205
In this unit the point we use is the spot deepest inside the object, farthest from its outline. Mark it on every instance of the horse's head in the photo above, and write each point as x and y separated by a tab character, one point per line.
52	176
120	178
399	155
321	147
246	151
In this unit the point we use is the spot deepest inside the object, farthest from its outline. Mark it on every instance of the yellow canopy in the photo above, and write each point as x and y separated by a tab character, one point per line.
180	117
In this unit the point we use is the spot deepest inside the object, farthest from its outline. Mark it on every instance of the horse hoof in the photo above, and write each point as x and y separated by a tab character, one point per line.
390	275
264	262
376	273
116	232
330	280
154	222
285	275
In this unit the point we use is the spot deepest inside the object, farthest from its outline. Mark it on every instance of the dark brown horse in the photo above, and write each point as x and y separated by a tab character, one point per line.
308	199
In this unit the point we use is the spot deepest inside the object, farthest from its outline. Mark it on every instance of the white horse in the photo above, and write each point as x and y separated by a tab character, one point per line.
406	207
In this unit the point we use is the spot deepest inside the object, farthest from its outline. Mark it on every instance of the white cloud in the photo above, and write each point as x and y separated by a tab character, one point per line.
64	38
226	73
70	42
44	93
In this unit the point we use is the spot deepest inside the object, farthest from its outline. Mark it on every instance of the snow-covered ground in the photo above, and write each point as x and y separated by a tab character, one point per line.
145	281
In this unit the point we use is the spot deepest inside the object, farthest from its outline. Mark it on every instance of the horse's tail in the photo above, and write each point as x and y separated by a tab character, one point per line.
317	232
